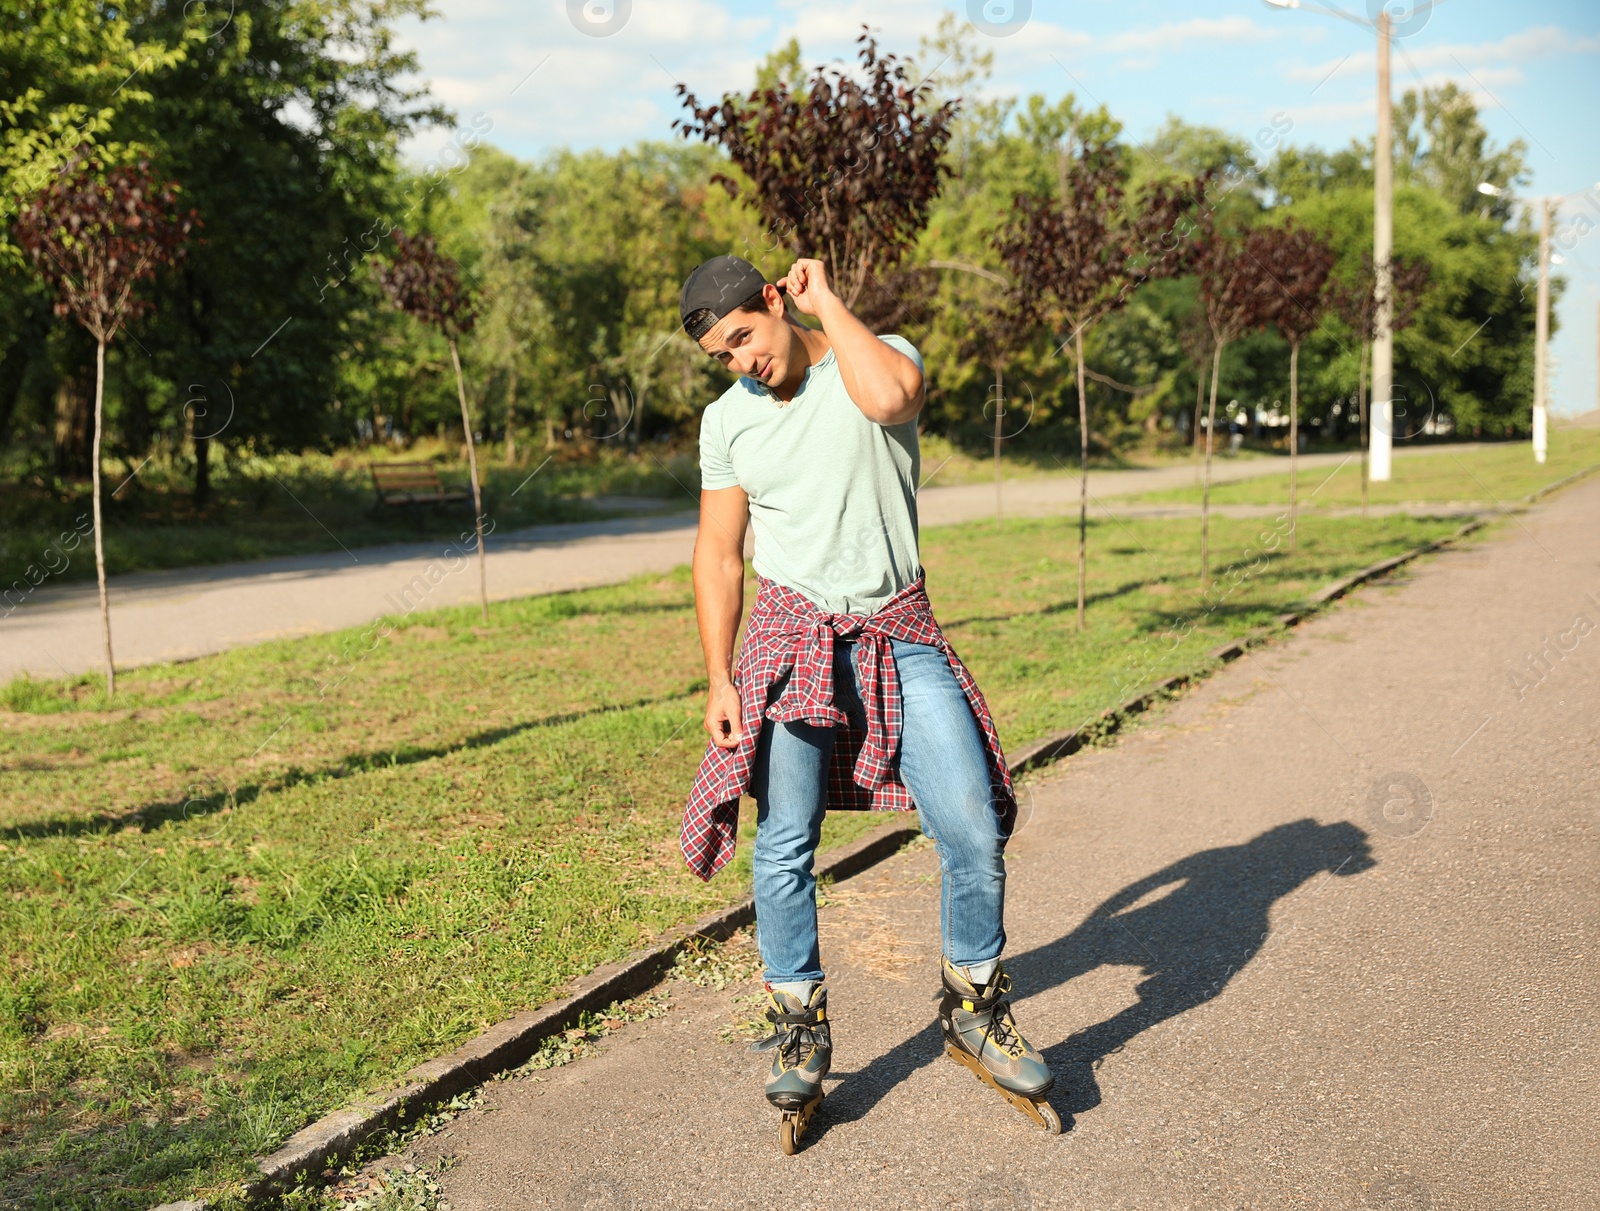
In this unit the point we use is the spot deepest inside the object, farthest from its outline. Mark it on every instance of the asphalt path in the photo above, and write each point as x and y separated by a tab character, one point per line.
1320	935
189	612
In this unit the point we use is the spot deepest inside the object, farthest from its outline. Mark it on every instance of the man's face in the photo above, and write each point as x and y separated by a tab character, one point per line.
756	343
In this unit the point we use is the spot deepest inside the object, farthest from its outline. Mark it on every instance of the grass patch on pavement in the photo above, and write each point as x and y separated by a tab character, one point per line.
261	882
1486	475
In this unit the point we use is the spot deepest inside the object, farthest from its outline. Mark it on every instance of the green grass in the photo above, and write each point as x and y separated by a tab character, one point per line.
305	503
946	463
261	882
1485	475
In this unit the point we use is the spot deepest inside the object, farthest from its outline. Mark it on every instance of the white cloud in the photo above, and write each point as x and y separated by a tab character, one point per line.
1340	112
1181	35
1538	42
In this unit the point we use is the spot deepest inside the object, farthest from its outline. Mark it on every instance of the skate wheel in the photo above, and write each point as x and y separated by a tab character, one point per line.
788	1138
1052	1120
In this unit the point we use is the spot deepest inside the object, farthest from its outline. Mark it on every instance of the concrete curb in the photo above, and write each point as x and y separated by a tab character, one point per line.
512	1042
1561	483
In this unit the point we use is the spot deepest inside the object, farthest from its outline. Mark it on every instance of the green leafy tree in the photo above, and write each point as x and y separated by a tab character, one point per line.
581	261
1469	349
286	120
1441	145
73	74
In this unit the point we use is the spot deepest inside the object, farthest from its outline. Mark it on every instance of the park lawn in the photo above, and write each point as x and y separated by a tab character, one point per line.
306	504
301	504
1485	475
264	881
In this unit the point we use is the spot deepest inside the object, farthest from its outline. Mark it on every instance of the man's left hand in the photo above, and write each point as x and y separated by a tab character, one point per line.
806	284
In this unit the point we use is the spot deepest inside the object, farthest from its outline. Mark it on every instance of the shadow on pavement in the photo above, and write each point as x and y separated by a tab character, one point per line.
1189	943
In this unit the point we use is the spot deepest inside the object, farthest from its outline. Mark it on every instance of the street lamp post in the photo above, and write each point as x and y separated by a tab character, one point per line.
1541	342
1541	320
1381	424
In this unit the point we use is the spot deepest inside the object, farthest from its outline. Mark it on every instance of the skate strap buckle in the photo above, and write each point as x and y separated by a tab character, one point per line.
993	994
993	998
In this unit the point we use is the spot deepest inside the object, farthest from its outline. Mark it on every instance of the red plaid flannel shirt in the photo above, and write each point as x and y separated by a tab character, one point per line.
787	632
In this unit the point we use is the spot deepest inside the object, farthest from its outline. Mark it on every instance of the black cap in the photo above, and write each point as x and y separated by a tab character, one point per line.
718	286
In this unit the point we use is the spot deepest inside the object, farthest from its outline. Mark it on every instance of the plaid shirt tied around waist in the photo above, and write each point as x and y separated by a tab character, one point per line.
788	634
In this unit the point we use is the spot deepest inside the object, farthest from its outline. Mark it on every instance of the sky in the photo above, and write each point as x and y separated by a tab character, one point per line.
535	75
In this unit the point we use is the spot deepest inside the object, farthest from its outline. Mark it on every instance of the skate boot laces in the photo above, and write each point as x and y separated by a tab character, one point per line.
796	1034
1001	1028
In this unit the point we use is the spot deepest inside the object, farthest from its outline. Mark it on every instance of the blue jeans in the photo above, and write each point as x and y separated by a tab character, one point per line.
942	762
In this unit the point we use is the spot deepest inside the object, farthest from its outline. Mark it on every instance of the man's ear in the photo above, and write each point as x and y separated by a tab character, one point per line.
776	303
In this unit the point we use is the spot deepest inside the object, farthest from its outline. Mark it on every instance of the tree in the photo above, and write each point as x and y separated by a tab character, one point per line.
1298	262
1005	322
74	72
1086	253
94	235
278	116
1238	297
1441	144
77	75
846	173
426	286
1355	300
287	117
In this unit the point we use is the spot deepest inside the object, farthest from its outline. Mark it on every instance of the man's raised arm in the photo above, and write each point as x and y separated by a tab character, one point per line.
883	382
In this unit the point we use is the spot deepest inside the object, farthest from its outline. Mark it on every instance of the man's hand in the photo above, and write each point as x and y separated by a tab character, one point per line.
722	717
806	284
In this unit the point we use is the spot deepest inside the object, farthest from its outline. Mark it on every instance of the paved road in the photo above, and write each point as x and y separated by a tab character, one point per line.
190	612
1320	936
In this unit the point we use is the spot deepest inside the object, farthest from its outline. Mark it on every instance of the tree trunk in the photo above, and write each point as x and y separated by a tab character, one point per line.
472	467
1294	440
99	524
74	425
1083	481
511	418
1199	402
13	369
1205	491
1361	404
202	470
999	411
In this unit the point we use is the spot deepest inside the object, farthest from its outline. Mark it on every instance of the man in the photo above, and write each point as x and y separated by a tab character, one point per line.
846	694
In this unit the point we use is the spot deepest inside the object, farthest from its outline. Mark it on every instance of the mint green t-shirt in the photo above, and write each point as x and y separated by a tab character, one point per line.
833	496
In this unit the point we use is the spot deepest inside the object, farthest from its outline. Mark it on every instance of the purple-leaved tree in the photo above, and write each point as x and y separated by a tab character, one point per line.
94	234
425	285
1081	256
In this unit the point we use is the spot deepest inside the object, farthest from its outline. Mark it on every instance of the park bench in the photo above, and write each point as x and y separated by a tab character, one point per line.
403	485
